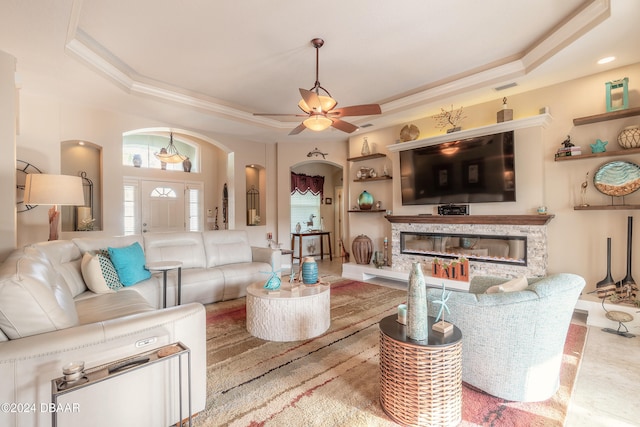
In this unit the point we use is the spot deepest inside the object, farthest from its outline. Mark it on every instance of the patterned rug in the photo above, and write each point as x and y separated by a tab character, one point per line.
333	380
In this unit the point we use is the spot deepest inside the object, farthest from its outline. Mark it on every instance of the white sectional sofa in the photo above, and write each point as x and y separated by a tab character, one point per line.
49	317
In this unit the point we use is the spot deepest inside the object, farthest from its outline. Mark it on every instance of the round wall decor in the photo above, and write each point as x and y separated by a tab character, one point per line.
22	169
617	178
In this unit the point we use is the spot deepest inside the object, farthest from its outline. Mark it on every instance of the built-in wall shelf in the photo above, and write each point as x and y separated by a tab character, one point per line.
364	211
367	157
623	152
377	178
612	115
540	120
606	207
471	219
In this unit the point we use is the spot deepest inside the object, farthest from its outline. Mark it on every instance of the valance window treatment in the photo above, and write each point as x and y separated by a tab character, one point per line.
304	183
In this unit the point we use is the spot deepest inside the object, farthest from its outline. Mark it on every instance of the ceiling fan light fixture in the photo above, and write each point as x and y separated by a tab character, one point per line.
317	123
326	103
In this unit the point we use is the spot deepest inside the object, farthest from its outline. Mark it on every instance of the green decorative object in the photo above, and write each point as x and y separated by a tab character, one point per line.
365	201
599	146
417	321
617	94
273	282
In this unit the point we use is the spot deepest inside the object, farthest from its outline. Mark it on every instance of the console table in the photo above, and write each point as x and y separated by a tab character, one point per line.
301	236
420	381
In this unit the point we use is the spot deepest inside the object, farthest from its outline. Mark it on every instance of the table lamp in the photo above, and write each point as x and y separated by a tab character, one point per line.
45	189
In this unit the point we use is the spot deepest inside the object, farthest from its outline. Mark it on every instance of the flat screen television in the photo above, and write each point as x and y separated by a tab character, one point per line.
473	170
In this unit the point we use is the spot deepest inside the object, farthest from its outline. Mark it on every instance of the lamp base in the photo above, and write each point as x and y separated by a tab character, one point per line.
54	218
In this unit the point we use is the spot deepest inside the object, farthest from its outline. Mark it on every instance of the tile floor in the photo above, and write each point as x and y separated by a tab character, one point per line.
608	382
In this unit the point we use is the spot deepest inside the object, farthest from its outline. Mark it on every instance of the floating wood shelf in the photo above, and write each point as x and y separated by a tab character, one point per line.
369	157
364	211
606	207
612	115
623	152
471	219
377	178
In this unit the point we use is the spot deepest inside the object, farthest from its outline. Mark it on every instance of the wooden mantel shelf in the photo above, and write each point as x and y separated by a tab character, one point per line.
471	219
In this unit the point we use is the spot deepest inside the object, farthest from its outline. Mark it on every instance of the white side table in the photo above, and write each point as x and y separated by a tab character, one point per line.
165	266
288	315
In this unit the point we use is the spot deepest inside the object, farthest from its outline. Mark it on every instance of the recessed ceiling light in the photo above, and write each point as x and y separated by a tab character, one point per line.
606	60
80	142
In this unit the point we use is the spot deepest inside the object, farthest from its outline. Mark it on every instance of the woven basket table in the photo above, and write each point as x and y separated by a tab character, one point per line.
420	381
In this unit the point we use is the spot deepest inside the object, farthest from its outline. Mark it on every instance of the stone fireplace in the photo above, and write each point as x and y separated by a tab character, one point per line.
495	245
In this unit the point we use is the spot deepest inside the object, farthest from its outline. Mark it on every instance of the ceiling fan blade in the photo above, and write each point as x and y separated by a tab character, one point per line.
344	126
279	114
311	98
356	110
298	129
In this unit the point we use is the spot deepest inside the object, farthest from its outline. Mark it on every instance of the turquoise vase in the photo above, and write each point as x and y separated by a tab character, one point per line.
417	322
365	201
309	271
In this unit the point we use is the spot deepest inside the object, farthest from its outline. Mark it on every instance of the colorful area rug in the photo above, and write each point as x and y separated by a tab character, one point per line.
333	380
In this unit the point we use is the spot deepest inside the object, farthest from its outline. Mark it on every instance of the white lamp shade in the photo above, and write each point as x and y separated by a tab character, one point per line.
45	189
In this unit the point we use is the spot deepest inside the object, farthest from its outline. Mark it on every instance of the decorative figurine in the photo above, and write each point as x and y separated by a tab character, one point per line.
440	325
599	146
567	142
273	282
505	114
449	118
583	190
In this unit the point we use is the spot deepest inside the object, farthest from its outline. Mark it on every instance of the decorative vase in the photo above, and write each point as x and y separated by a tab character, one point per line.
628	280
137	160
365	201
186	165
365	147
298	228
606	286
629	137
417	321
362	248
309	271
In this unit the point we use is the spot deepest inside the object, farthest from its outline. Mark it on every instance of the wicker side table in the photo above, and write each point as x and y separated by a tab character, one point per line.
420	381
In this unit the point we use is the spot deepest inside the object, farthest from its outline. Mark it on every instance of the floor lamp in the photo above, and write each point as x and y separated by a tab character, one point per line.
44	189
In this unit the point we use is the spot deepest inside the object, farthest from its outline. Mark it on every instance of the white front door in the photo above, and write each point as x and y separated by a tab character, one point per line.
162	206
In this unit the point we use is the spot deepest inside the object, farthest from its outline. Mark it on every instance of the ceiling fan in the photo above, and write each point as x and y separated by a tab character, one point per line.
319	109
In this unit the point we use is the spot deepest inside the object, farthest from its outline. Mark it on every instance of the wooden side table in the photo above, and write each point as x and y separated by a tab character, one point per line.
420	381
165	266
300	237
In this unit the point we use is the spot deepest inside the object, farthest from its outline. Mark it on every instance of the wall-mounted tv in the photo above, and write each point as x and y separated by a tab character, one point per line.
473	170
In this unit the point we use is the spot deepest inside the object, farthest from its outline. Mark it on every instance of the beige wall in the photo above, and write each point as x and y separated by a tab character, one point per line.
8	112
577	239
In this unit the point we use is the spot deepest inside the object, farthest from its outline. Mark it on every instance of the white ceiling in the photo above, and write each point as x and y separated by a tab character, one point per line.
208	65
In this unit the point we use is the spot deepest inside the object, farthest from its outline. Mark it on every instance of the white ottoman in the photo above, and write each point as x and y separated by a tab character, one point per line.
288	315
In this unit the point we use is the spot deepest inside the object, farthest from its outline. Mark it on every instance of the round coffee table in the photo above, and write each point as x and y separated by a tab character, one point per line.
288	315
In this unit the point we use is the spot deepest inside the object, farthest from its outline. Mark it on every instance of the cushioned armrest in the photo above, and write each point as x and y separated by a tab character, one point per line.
268	255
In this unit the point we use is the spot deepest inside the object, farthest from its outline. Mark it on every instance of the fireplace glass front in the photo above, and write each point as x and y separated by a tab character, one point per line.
474	247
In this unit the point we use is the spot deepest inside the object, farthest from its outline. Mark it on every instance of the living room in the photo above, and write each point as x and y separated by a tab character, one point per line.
50	111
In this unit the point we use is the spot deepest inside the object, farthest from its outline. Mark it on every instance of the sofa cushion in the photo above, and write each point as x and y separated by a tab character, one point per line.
129	263
185	247
99	273
33	296
513	285
111	306
65	258
224	247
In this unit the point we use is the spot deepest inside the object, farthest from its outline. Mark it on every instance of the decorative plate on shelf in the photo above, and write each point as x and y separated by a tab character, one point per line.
617	178
409	133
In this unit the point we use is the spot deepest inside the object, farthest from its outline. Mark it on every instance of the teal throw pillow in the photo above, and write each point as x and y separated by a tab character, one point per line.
129	263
